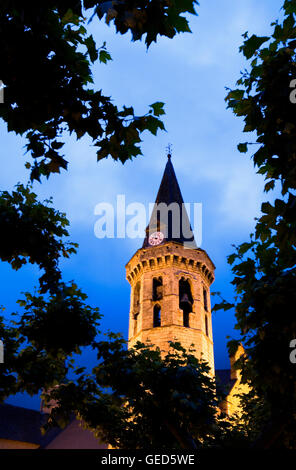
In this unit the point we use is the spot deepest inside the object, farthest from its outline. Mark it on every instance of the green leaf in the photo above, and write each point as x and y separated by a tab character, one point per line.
231	258
222	306
289	7
266	208
243	148
104	56
252	44
158	108
269	186
153	124
244	247
235	94
70	17
57	145
91	48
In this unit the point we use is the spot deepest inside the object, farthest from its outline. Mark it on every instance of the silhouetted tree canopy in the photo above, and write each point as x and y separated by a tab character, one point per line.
142	399
46	56
137	398
264	268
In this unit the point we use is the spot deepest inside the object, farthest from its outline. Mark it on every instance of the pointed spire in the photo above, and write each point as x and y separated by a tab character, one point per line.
169	219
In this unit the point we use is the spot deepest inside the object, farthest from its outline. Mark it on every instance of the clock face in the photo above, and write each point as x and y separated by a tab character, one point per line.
156	238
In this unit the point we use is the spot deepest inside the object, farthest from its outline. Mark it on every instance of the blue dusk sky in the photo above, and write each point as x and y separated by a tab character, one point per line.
189	73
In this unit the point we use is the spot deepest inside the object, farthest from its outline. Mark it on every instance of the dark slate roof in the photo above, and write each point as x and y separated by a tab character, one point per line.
224	380
22	424
169	192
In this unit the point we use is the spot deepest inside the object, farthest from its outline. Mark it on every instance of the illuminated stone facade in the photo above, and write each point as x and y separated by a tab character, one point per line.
170	284
171	263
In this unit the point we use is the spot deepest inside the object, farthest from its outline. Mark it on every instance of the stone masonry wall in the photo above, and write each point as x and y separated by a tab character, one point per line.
172	262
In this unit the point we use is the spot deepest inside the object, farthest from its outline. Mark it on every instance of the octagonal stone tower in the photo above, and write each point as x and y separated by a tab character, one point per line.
170	280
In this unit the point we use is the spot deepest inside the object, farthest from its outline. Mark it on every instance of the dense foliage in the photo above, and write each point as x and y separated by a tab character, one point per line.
33	232
137	398
264	268
46	55
142	399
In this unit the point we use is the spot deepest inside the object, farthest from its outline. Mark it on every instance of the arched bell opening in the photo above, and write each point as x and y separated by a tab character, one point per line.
186	319
157	289
185	300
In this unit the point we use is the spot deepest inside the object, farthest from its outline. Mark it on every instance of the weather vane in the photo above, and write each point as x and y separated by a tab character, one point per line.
169	150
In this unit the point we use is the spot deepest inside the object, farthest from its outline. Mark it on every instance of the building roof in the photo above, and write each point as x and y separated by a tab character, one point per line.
22	424
224	380
174	225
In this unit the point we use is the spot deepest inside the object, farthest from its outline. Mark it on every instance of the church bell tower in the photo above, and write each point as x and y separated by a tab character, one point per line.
170	279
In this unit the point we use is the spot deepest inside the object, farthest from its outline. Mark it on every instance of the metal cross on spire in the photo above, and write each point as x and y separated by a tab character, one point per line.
169	149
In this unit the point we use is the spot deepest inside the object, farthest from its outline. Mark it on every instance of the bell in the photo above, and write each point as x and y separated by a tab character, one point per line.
159	292
185	302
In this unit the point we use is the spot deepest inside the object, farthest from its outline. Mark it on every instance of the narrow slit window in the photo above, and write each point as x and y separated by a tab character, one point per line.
206	325
136	323
205	299
137	296
156	316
